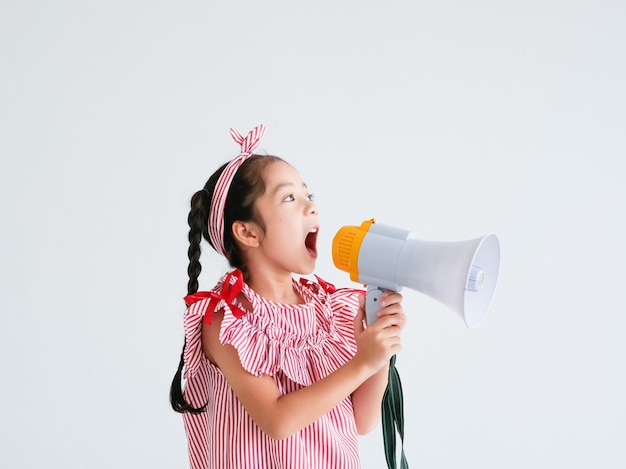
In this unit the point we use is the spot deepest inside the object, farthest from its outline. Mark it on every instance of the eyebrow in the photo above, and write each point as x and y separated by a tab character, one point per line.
284	185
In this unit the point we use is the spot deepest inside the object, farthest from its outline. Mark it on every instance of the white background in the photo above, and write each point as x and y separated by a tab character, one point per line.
448	118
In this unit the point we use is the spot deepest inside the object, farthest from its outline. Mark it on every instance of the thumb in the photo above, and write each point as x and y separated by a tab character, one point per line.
359	318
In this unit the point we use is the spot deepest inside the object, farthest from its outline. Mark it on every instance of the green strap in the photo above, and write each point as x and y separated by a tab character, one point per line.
393	417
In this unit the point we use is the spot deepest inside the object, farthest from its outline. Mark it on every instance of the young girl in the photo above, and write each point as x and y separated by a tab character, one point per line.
279	373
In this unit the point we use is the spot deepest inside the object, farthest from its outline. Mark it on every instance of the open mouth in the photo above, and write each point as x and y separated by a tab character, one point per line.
311	242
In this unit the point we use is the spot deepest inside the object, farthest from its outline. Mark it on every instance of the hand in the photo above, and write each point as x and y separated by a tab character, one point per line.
378	342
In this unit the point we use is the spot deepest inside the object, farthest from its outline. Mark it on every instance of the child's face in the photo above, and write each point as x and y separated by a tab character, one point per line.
291	221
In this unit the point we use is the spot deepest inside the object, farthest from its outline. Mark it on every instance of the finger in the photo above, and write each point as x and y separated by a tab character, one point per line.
359	325
387	321
362	302
391	310
390	297
391	345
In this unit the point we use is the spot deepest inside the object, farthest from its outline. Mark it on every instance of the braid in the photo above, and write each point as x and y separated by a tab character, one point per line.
198	227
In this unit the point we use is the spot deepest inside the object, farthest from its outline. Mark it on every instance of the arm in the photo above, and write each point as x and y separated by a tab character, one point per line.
367	401
282	415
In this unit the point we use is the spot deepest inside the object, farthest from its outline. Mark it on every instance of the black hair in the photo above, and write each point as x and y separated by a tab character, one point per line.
247	185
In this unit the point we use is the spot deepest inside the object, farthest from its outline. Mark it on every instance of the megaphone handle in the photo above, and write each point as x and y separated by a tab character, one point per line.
372	300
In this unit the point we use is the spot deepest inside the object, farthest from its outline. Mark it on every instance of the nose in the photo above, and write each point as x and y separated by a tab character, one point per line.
311	208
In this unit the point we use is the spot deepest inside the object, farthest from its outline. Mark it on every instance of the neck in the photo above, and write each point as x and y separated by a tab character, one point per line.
274	287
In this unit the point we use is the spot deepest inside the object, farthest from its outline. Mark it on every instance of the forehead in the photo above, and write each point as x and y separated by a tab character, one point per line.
280	173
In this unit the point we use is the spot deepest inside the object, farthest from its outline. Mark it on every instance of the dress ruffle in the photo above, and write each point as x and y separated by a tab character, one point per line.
193	333
306	342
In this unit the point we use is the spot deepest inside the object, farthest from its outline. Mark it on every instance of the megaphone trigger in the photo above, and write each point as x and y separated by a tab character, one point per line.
372	303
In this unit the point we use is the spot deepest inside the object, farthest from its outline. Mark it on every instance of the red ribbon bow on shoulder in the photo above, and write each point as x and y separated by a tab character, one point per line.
326	286
232	286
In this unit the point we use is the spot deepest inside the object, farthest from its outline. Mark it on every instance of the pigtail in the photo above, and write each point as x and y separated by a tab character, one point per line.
198	228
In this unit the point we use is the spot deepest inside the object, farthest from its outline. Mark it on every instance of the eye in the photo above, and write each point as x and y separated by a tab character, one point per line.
289	198
311	197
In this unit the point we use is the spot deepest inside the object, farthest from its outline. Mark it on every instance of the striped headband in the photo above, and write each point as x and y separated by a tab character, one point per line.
218	202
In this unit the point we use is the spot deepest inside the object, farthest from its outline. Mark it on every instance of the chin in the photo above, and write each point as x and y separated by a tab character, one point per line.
306	270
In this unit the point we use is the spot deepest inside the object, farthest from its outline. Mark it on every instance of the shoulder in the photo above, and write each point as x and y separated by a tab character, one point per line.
201	310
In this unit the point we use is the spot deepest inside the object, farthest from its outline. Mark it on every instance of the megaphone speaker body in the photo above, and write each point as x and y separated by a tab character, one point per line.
460	274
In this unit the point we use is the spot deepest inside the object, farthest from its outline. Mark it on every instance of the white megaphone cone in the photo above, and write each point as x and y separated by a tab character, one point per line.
462	274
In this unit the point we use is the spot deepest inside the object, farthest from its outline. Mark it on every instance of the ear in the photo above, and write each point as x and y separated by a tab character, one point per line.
247	233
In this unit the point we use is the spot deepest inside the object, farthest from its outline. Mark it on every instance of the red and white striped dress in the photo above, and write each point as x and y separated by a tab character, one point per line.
295	344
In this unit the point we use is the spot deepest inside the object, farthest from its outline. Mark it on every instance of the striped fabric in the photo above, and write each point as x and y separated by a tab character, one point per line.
218	201
295	344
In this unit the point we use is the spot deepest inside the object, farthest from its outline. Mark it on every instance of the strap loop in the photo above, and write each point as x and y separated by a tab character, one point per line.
393	417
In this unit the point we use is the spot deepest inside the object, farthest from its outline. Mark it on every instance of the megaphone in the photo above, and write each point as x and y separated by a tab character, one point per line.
462	275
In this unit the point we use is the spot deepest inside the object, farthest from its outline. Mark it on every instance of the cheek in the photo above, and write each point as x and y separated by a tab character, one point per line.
282	233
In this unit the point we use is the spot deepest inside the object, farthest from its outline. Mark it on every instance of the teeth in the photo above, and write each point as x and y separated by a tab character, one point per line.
314	230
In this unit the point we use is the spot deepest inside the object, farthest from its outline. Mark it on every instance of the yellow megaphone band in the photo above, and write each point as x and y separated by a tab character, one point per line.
346	246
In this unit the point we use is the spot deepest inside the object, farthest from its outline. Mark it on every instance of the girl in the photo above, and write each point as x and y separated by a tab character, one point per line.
279	373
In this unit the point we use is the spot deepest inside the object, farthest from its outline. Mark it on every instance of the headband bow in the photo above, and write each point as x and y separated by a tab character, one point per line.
218	202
